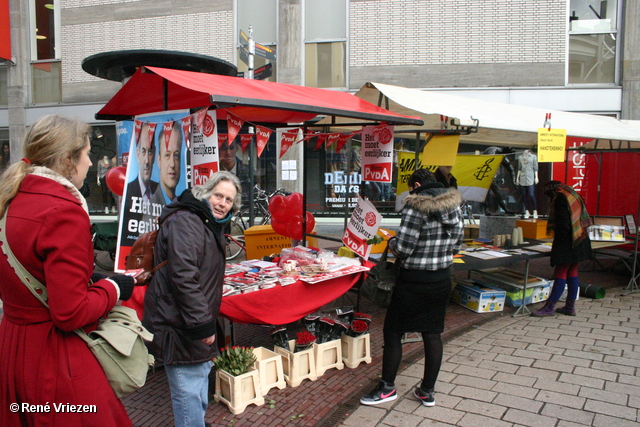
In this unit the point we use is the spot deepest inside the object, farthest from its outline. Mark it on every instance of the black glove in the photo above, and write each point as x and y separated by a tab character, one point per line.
125	283
97	276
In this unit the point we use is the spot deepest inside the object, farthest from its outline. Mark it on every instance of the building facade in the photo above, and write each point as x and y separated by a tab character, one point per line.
571	55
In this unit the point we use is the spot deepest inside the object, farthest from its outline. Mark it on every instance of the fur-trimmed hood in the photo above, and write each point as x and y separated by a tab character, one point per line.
434	201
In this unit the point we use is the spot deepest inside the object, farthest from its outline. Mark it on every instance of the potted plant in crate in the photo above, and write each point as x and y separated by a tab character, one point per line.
237	381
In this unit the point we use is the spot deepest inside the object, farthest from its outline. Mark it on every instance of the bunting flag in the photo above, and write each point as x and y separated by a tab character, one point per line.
199	117
151	132
331	138
186	130
262	137
167	129
245	140
321	139
136	130
222	139
287	140
234	124
342	140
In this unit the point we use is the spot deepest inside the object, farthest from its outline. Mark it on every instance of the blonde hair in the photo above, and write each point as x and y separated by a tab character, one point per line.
52	141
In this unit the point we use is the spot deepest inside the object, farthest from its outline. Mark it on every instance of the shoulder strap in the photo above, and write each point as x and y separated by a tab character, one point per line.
37	289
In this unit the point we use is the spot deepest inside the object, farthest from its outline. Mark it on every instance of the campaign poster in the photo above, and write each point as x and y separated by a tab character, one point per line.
377	153
362	226
156	174
204	148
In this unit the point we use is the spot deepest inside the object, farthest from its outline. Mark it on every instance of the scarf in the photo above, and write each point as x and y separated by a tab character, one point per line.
51	174
580	219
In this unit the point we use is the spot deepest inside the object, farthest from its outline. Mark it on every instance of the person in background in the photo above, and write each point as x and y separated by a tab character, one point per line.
182	302
430	233
48	230
443	175
230	162
568	219
5	159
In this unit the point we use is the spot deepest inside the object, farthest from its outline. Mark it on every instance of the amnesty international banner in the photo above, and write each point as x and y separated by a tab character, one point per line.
441	149
473	172
475	175
551	145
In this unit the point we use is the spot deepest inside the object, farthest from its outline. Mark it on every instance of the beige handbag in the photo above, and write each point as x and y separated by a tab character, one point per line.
117	343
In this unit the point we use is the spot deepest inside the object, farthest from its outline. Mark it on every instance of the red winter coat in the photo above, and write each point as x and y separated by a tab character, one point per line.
42	361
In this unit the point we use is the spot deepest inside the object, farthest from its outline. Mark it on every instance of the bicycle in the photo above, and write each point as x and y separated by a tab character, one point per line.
234	237
105	239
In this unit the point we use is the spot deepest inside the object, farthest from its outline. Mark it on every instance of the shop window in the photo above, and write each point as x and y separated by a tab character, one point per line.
262	17
46	82
103	155
46	70
326	43
593	42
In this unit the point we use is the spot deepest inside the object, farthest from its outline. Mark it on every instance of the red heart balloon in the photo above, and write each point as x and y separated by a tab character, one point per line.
311	222
294	204
115	178
278	207
279	226
294	227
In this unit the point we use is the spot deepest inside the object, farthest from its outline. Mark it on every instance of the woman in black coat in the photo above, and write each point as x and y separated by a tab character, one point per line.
568	220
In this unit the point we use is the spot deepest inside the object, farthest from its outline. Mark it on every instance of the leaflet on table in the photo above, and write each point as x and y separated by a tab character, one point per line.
540	248
326	276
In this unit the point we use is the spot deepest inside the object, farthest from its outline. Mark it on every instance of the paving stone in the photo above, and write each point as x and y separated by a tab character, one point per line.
516	390
556	386
601	420
556	358
582	380
498	366
514	379
473	393
475	372
365	416
511	401
566	400
529	419
466	380
439	413
481	408
596	373
522	361
563	412
620	369
605	396
400	419
473	420
618	411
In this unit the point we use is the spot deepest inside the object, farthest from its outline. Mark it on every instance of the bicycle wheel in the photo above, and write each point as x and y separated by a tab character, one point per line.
235	237
104	259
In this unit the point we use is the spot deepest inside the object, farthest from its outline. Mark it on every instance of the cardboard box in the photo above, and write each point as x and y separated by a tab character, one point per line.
537	293
478	297
512	281
471	231
533	228
261	241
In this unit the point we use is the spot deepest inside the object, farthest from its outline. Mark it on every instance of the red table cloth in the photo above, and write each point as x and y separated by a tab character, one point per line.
285	304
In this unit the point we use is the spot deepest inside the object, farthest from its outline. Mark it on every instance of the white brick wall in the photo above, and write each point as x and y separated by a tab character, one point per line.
203	33
83	3
456	31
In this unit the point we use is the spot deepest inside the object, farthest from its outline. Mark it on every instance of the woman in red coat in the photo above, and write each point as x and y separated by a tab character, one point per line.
48	375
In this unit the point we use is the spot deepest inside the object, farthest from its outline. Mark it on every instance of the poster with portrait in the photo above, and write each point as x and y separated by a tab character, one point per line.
156	174
204	147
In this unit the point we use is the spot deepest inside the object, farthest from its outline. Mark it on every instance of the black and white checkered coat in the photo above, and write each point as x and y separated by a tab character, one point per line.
431	229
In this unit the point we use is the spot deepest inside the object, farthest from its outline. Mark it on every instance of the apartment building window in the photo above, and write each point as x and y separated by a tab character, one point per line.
325	43
4	86
593	42
262	17
46	70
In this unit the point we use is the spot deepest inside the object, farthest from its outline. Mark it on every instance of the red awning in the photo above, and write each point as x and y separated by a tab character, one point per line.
153	89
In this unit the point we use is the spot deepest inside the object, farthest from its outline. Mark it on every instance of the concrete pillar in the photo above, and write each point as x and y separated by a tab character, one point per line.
18	76
290	42
631	61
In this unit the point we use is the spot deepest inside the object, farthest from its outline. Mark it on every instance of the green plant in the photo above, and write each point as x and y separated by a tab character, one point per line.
235	360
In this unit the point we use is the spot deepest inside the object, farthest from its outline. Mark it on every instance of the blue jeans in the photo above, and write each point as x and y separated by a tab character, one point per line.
189	386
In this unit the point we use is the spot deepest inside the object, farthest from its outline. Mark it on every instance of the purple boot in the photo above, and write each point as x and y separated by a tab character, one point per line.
547	310
569	308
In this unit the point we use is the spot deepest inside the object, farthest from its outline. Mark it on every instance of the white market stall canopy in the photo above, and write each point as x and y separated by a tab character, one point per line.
499	124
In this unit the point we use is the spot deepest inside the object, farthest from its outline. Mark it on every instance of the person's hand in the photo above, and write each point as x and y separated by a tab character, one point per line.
125	283
209	340
97	276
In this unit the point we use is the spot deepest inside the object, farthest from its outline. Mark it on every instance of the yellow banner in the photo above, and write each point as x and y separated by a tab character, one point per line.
551	145
441	150
473	173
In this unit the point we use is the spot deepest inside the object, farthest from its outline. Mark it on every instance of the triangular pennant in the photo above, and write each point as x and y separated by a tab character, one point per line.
245	140
167	129
136	129
222	139
199	116
151	132
262	137
288	138
234	124
185	122
321	139
342	140
333	137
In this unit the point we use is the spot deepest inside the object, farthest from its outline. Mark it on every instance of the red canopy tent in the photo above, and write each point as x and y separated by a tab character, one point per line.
153	89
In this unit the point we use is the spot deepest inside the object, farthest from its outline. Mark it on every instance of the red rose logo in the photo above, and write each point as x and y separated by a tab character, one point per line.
384	136
370	219
208	126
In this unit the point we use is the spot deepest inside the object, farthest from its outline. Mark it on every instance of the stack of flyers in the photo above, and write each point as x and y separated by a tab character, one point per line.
285	281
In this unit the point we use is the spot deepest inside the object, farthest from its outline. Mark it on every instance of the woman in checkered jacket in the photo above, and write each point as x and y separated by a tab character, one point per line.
430	233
